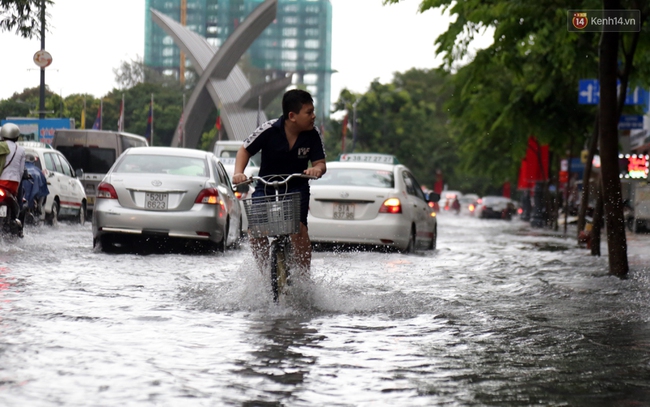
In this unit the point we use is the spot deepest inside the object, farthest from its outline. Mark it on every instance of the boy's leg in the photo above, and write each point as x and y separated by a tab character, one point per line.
260	247
302	249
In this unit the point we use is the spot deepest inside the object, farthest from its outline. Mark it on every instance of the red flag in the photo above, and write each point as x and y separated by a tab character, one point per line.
98	121
534	167
344	131
438	185
218	123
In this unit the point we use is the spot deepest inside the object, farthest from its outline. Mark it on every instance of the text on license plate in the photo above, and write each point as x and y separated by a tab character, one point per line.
3	211
155	201
343	211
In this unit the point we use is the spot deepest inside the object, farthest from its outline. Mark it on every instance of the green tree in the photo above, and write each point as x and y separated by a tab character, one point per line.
525	82
405	118
22	15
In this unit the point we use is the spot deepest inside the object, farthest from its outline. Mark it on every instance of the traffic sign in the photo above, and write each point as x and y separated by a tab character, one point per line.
589	93
42	59
630	122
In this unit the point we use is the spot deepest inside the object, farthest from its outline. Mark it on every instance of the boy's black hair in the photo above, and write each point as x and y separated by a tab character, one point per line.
293	100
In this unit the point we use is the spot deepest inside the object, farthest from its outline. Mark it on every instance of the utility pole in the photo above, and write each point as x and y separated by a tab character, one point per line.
41	105
183	119
354	122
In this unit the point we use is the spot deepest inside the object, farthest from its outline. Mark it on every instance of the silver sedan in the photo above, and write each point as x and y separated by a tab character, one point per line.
364	203
165	192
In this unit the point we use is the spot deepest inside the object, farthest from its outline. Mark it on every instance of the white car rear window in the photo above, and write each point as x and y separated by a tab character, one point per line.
357	177
162	164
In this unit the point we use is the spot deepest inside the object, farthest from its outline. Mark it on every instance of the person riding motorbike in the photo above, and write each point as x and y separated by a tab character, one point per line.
455	206
12	167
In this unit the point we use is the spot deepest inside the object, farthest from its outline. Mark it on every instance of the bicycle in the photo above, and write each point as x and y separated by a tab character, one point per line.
276	217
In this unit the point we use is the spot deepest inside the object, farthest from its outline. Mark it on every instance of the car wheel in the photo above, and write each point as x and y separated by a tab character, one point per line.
106	243
410	248
53	218
81	218
432	245
221	246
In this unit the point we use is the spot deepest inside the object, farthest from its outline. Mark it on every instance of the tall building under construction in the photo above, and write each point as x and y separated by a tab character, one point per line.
298	41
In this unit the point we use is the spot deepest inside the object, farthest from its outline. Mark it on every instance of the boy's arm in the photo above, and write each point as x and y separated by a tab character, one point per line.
241	161
318	168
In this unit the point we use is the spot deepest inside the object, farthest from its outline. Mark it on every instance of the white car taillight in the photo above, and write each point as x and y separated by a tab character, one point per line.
106	191
391	205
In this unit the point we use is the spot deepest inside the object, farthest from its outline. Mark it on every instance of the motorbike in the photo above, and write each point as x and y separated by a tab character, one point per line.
9	210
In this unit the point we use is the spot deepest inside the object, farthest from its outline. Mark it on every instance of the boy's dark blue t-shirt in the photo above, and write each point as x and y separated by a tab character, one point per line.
277	159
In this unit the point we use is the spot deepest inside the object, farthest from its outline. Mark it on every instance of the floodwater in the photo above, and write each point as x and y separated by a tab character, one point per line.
498	315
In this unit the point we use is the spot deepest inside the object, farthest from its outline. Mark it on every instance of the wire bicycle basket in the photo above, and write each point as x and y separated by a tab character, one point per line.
270	217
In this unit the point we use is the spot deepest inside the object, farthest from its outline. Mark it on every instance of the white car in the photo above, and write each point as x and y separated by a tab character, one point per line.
67	198
371	200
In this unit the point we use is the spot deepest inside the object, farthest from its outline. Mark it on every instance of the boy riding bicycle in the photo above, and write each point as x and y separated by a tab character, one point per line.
288	144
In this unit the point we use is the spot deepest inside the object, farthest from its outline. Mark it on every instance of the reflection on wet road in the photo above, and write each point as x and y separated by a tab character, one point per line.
498	315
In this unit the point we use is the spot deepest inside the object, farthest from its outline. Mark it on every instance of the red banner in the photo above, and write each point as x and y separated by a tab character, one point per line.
534	166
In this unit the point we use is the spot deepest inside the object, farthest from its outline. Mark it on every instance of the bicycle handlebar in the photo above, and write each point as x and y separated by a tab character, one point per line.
276	183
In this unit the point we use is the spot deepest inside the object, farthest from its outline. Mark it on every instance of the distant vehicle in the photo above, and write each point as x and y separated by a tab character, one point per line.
94	151
228	149
167	192
496	207
67	198
639	218
447	198
469	204
367	200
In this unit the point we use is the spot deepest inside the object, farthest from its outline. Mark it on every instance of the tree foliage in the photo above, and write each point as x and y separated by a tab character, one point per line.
525	83
406	118
22	15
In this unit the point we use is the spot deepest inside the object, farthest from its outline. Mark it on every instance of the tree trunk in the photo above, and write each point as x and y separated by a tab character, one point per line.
584	198
608	114
597	221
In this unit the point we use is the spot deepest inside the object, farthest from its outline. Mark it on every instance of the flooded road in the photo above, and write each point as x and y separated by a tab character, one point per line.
498	315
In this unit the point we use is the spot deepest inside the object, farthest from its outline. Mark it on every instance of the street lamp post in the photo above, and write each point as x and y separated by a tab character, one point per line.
41	106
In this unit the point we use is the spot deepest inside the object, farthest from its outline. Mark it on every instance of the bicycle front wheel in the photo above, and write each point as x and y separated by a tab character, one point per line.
279	269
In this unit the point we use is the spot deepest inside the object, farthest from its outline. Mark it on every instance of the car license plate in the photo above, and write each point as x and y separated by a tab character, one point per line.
344	211
3	211
155	201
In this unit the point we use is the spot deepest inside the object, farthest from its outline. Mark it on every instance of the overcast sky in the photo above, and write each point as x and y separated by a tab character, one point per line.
89	38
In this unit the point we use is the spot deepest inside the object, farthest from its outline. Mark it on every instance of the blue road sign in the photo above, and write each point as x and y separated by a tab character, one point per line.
589	93
630	122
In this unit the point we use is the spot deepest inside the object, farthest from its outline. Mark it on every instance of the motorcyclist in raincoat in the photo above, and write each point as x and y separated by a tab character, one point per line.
35	189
